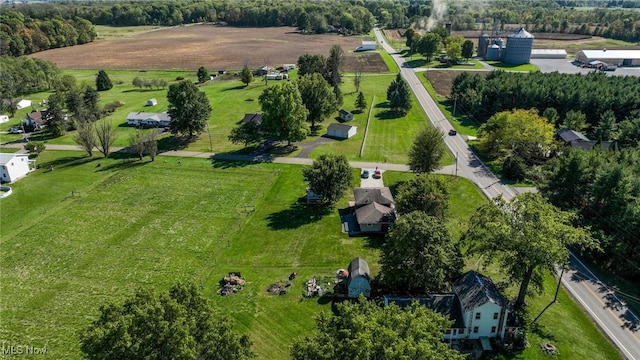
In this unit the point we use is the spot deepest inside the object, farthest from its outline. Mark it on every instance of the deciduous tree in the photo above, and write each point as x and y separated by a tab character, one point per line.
103	82
35	147
318	98
85	136
427	150
310	64
283	114
329	177
188	108
364	330
246	133
178	324
55	117
427	193
429	44
334	66
106	135
419	255
203	74
246	76
527	236
467	49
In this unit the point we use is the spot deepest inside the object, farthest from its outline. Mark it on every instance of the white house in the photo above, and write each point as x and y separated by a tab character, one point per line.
341	131
152	102
274	76
13	167
345	115
358	278
367	45
476	307
146	119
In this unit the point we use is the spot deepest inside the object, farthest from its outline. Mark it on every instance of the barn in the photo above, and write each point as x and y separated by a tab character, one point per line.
613	57
358	279
341	131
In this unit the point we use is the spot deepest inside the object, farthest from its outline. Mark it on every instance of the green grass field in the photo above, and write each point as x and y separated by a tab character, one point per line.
509	67
92	234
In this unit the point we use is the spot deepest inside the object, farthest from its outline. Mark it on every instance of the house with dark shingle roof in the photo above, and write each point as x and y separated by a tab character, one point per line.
375	209
476	307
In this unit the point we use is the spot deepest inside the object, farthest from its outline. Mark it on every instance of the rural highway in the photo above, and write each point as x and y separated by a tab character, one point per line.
605	308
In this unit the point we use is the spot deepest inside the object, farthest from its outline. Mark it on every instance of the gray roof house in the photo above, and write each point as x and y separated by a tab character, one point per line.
568	135
358	278
147	119
345	115
374	209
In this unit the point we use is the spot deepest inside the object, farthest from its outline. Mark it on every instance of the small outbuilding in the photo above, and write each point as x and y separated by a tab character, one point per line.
152	102
4	119
23	104
13	167
341	131
345	115
358	281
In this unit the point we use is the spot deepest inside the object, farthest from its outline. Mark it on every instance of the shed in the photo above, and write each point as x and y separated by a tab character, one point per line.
345	115
13	166
548	54
23	104
358	279
152	102
4	119
341	131
367	45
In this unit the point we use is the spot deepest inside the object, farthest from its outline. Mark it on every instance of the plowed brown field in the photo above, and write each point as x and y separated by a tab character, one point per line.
214	47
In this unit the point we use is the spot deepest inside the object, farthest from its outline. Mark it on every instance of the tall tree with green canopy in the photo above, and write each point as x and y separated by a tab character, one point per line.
55	119
361	102
409	34
103	82
429	44
246	76
318	98
203	74
419	255
329	177
177	324
399	95
334	66
283	114
551	114
364	330
574	120
467	49
85	136
188	108
527	236
90	100
427	150
519	132
607	126
310	64
428	193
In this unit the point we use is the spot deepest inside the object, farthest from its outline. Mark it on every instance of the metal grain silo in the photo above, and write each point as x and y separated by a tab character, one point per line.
519	45
483	41
493	52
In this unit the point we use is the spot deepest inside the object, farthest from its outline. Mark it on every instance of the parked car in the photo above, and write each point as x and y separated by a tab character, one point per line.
15	130
365	174
452	132
377	174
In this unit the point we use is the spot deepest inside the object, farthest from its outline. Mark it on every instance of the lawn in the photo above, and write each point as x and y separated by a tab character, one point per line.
510	67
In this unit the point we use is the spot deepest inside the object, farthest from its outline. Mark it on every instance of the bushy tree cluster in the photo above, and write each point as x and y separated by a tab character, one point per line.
21	34
23	76
149	84
592	94
603	189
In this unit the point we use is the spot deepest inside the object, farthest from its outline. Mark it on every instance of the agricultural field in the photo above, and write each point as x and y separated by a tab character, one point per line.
211	46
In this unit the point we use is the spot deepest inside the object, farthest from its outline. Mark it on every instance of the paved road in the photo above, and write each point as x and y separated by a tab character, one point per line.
612	315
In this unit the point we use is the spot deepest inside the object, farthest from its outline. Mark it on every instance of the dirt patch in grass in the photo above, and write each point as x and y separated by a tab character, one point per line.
394	34
215	47
442	80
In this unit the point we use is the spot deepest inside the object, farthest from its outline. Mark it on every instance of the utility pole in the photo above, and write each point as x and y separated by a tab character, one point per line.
456	163
455	102
210	142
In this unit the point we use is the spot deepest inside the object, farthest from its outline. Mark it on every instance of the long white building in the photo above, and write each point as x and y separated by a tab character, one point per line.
613	57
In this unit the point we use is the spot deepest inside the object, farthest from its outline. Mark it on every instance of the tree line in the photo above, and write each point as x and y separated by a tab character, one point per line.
592	95
21	34
603	189
23	76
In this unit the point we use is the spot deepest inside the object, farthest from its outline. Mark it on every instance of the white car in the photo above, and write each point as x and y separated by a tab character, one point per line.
15	130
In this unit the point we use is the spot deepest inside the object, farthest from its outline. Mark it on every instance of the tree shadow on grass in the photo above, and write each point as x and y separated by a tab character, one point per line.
239	87
389	115
297	215
383	105
68	161
173	143
417	63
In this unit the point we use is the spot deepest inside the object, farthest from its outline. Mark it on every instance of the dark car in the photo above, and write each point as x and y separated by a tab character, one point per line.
377	174
453	132
365	174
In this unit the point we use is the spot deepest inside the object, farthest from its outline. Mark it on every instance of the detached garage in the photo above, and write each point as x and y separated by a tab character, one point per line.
341	131
613	57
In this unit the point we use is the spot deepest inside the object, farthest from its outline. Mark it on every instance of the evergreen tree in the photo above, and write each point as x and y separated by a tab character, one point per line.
399	95
361	102
103	82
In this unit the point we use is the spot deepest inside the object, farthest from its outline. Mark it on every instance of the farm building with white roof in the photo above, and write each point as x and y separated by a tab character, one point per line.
614	57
